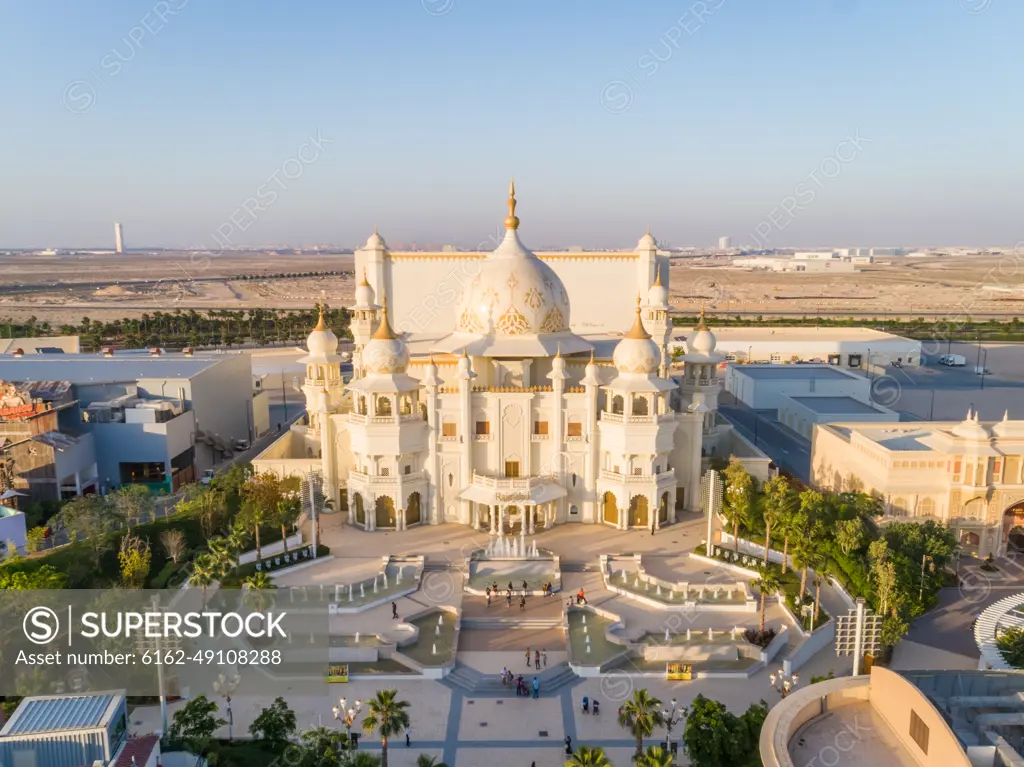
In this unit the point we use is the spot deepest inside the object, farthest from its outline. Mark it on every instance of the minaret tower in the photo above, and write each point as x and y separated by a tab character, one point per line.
657	321
365	317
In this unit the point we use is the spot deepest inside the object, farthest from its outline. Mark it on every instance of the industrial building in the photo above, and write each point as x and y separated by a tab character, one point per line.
153	418
74	730
858	348
765	387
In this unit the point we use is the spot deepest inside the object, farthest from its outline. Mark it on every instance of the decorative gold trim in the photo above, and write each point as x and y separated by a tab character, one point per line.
512	221
638	331
513	322
553	321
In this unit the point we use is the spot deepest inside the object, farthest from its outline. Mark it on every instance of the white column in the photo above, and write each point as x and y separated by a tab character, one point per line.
495	514
858	637
432	499
591	506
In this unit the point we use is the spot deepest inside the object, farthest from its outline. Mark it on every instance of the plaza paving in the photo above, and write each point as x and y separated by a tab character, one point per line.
493	726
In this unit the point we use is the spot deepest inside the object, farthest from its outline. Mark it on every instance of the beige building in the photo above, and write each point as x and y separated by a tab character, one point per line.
965	475
914	719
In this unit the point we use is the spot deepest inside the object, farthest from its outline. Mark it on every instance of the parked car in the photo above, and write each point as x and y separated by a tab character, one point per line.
208	476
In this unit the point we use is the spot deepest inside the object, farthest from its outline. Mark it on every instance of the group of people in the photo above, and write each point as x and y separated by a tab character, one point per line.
492	591
538	656
587	706
508	679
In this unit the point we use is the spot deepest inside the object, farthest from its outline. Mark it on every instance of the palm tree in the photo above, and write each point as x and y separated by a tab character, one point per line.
364	759
388	716
258	595
640	716
428	761
655	756
766	582
587	756
779	503
203	569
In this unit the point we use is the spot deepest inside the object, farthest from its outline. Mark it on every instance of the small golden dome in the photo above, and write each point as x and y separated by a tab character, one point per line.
637	331
384	331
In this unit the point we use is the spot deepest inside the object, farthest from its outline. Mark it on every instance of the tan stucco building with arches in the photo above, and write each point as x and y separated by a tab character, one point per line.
967	475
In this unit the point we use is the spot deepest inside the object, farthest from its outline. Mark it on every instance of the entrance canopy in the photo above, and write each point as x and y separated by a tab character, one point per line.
495	491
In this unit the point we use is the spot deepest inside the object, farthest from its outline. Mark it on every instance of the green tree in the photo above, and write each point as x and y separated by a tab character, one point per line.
261	495
204	572
131	502
850	534
423	760
766	583
640	715
739	497
285	515
319	747
258	594
275	725
196	723
782	505
135	557
46	577
387	716
35	539
588	756
708	733
1011	646
655	756
88	518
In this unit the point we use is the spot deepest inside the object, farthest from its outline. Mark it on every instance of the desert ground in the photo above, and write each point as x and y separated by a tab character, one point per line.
61	289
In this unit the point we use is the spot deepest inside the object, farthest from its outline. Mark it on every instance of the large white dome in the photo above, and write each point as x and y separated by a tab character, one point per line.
702	340
514	293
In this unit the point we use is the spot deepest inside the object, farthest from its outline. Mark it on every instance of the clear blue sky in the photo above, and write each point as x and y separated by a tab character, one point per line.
432	105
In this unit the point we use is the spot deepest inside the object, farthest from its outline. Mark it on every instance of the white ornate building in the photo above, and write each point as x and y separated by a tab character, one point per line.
515	417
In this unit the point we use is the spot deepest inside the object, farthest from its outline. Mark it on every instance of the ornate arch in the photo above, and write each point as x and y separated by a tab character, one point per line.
639	510
384	509
360	509
413	508
610	508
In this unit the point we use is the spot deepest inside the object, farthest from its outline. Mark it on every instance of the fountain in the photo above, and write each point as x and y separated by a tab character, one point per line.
671	595
659	589
711	633
687	635
362	590
357	637
666	636
433	649
375	584
536	553
734	630
623	575
636	582
350	592
321	592
337	589
385	579
437	631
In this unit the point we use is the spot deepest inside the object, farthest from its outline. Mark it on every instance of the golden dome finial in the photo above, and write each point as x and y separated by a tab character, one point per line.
512	221
464	355
559	354
591	355
320	324
657	277
384	331
702	321
365	283
638	331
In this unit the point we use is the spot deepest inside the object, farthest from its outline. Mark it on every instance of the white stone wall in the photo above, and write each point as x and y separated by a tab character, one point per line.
423	289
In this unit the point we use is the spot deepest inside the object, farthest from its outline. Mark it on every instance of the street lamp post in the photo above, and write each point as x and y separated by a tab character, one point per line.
781	684
225	686
673	715
347	715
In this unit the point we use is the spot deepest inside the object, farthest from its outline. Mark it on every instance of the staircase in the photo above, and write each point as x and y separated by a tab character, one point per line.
515	622
579	567
472	682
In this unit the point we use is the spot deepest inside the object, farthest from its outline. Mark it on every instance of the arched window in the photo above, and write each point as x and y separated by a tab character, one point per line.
926	507
406	406
361	406
617	406
639	405
383	406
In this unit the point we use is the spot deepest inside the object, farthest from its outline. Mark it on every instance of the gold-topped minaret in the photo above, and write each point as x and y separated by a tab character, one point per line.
512	221
366	283
320	324
657	278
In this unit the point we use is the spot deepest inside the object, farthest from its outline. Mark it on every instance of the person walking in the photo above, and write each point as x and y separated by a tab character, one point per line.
510	586
536	688
525	587
536	659
408	736
652	527
527	657
522	604
394	611
568	746
508	599
544	657
504	676
488	596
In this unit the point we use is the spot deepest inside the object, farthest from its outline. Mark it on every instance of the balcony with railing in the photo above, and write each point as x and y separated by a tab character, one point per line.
360	477
665	477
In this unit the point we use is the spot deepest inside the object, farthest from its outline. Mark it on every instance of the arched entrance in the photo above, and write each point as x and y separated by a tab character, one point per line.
638	511
385	511
513	521
663	509
412	510
611	509
1013	527
360	510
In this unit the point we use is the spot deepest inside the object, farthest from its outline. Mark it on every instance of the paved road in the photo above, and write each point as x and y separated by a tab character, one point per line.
775	440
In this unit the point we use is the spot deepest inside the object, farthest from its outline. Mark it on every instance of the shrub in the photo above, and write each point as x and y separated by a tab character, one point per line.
760	638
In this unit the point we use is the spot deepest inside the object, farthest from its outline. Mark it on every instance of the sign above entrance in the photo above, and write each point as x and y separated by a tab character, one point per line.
512	497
